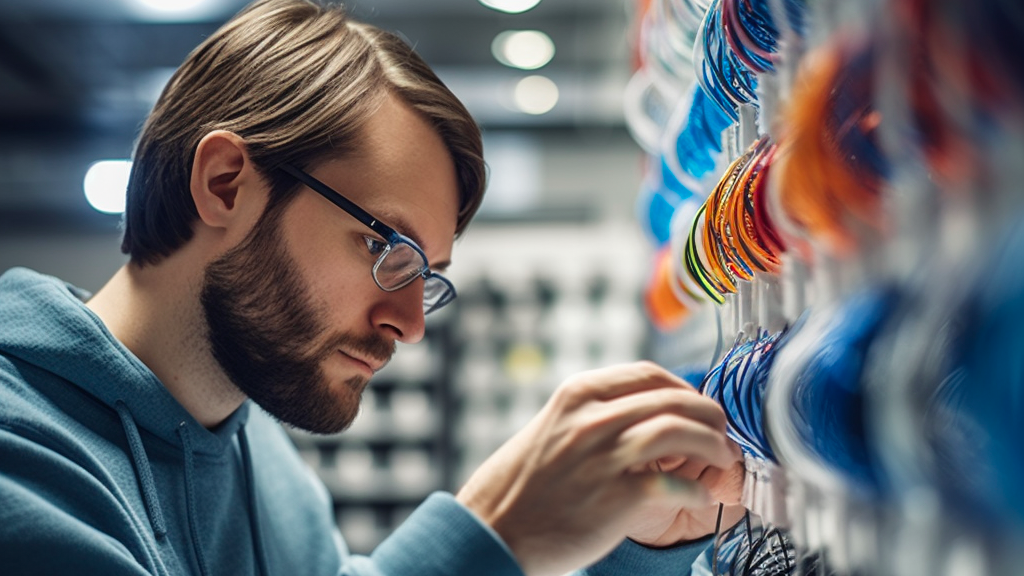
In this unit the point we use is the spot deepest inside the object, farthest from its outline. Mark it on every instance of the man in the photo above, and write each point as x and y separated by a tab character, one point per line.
288	191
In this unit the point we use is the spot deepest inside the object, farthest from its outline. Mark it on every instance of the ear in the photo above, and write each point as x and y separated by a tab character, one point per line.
225	186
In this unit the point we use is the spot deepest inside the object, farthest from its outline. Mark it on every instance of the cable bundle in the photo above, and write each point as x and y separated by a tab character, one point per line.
733	41
721	73
668	29
993	379
732	235
738	384
963	393
749	548
829	166
698	144
889	179
750	32
827	410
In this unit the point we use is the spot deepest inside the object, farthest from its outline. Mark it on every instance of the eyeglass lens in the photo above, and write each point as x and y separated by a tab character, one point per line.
436	293
401	265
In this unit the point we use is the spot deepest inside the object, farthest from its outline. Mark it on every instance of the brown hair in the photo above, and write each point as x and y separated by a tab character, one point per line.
296	81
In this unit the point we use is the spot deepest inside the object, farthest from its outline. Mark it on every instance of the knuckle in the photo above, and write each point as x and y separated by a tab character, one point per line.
574	394
710	411
718	419
572	390
586	429
649	369
659	429
691	437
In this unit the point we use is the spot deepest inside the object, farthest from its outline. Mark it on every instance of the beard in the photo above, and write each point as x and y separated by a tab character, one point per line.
267	335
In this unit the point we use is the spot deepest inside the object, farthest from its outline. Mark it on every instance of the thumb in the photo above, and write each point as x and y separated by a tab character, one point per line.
724	485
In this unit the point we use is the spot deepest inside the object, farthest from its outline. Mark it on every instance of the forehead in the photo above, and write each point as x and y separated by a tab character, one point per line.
403	174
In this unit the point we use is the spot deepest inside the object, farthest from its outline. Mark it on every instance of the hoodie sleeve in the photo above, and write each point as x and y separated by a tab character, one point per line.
442	538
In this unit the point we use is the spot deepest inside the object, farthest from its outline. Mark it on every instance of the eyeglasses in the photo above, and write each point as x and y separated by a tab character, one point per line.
399	260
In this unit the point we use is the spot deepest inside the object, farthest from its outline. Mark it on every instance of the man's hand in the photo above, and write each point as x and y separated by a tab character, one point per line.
578	478
669	523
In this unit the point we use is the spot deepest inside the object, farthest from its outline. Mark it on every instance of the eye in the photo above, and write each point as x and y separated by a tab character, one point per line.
374	245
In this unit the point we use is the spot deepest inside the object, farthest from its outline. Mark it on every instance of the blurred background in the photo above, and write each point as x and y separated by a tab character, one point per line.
550	274
858	304
78	78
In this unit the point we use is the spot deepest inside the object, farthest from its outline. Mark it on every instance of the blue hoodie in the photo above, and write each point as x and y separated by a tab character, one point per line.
102	471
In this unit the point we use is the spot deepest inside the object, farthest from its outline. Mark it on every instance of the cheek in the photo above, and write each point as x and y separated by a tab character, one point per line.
339	282
345	294
341	289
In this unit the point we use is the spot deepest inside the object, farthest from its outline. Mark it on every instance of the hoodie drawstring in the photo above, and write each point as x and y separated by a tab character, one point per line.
250	488
190	499
149	493
142	470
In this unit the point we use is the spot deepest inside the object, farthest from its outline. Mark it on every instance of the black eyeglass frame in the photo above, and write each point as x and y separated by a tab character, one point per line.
390	235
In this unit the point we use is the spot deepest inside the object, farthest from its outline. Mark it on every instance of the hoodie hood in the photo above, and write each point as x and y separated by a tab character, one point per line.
48	325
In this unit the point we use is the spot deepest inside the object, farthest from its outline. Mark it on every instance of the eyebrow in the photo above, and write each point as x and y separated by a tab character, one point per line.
402	225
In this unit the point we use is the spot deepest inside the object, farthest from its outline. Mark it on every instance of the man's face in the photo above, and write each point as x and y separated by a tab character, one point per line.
294	316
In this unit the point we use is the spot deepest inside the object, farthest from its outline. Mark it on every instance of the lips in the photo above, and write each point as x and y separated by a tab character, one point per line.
374	365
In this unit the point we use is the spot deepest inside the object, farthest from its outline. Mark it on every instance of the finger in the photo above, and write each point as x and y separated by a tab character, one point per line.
615	381
690	469
724	485
669	464
628	410
610	419
666	436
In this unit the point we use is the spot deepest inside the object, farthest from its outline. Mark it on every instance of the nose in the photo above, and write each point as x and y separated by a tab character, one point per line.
399	314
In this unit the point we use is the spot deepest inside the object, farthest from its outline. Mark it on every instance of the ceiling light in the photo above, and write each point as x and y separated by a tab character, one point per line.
510	6
524	49
536	95
171	5
106	184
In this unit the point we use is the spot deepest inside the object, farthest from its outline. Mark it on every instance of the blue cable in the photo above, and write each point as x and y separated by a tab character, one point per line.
828	402
978	412
658	203
738	384
726	80
700	142
754	16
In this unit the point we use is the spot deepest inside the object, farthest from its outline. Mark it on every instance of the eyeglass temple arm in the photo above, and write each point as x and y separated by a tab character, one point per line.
340	201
